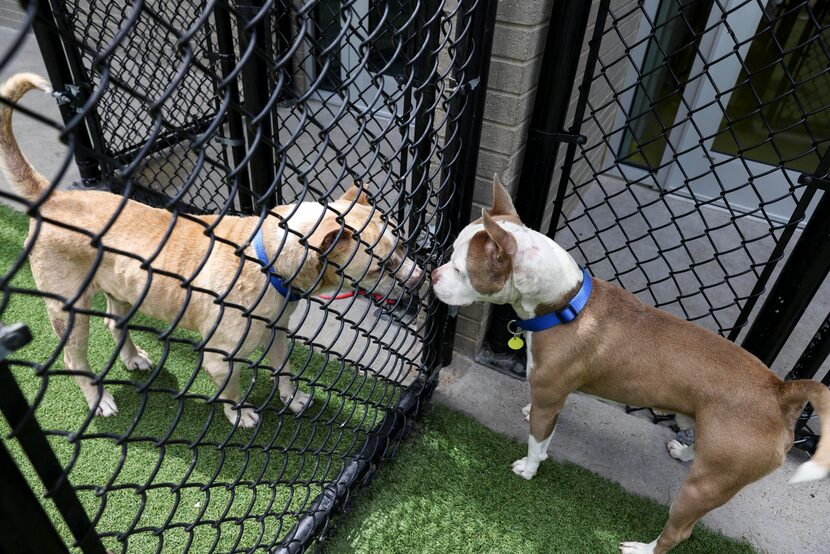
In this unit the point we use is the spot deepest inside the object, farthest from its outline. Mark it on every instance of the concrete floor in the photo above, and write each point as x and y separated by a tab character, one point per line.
771	515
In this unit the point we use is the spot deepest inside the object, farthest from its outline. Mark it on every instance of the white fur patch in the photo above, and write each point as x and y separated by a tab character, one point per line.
680	451
809	471
536	452
542	272
529	350
637	547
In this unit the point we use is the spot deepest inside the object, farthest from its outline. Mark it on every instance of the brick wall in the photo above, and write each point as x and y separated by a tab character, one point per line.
520	35
521	27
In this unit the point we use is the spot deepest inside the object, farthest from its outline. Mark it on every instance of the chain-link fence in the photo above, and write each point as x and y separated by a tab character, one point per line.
704	129
264	186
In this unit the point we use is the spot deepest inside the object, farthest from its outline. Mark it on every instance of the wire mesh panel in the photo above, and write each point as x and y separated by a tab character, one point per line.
701	118
220	371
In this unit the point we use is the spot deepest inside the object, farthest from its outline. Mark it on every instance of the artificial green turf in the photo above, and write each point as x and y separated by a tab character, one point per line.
452	490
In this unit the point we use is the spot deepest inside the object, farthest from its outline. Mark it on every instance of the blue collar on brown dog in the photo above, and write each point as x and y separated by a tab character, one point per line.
565	315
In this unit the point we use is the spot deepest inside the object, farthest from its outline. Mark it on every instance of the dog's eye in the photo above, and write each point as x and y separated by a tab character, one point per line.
457	271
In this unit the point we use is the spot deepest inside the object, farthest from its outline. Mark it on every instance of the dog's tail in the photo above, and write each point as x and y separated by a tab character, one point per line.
18	171
797	393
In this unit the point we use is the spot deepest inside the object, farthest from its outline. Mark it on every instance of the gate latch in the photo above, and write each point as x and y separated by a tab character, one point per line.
815	182
13	337
71	95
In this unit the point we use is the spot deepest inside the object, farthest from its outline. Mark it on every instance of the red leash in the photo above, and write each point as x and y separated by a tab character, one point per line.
343	295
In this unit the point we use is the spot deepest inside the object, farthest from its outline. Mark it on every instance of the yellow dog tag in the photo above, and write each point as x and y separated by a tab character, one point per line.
515	343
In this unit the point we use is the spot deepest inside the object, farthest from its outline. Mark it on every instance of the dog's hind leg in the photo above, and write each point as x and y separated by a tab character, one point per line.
721	469
134	358
226	378
75	326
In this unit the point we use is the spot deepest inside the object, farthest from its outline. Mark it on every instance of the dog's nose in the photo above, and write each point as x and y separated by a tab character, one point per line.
436	276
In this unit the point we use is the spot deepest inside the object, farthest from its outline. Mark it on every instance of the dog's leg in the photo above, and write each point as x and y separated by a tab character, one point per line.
75	353
133	357
703	490
294	398
543	415
226	378
709	485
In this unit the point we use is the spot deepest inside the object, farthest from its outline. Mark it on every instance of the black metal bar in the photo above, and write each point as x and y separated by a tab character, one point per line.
473	76
33	441
236	128
566	34
58	61
775	256
394	427
807	366
24	525
256	90
275	46
557	77
799	280
425	90
579	115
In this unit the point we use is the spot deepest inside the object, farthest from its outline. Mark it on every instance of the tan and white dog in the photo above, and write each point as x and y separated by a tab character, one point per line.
620	349
201	275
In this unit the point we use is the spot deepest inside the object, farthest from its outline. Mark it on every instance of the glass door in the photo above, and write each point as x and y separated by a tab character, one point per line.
730	93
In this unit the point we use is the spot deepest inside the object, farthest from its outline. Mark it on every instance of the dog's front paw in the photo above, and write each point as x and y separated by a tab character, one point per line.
636	548
140	362
241	417
106	407
680	451
526	412
298	401
524	468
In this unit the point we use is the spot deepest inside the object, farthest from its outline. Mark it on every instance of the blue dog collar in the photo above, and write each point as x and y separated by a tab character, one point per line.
276	282
565	315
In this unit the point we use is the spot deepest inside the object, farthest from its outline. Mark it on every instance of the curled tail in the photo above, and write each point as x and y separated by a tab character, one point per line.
25	179
799	392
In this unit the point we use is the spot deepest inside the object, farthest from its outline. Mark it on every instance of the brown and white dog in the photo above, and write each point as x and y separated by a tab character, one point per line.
620	349
189	264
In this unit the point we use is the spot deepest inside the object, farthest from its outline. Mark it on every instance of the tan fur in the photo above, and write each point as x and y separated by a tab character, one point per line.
189	266
623	350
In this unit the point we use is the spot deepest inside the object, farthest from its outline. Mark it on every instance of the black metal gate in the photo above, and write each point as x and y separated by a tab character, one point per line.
696	155
231	108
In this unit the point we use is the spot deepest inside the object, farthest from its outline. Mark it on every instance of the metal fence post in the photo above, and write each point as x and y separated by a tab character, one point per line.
32	439
557	77
236	127
799	280
473	71
60	65
256	89
24	525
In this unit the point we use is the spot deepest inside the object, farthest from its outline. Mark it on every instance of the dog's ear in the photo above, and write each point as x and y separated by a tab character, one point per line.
502	203
502	244
355	192
327	233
